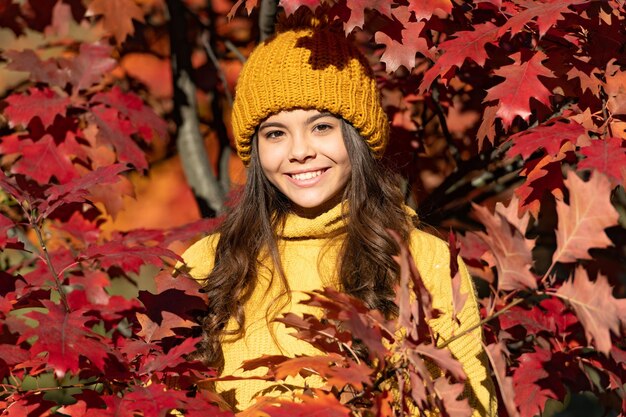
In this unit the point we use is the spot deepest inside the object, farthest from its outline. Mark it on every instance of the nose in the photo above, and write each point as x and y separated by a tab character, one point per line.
302	148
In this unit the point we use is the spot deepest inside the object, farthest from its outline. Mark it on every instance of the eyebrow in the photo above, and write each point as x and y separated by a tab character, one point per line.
310	120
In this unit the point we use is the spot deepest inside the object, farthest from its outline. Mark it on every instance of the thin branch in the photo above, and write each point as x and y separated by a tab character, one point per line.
206	42
267	18
232	48
42	243
189	141
483	321
454	150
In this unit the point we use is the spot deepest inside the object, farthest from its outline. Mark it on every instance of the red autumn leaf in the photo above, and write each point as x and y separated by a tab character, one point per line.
65	338
88	67
450	393
354	316
11	242
606	156
442	357
40	160
77	190
333	367
424	9
321	405
599	312
47	72
547	13
521	83
321	334
291	6
357	11
487	128
458	298
151	331
465	45
397	53
549	316
549	136
93	283
505	383
582	222
173	358
117	132
117	16
511	251
542	176
143	119
45	104
128	258
530	396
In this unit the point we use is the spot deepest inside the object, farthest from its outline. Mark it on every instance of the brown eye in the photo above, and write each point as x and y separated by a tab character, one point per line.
323	127
274	134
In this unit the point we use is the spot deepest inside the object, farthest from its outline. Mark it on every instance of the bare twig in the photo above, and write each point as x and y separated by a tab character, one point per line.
232	48
42	243
454	150
206	43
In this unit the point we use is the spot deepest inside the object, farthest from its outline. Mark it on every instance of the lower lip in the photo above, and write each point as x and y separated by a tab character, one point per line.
311	182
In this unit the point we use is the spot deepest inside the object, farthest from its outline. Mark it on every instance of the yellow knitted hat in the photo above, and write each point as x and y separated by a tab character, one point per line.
308	68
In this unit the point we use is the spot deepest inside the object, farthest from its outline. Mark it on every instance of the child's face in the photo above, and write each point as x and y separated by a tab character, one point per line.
303	154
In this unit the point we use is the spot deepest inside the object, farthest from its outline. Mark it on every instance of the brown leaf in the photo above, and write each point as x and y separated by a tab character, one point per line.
582	222
118	16
511	251
505	383
599	312
450	393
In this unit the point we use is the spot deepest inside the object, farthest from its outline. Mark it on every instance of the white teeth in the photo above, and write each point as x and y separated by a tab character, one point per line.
306	175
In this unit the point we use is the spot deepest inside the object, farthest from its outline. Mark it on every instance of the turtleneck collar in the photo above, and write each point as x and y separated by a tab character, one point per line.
324	225
327	223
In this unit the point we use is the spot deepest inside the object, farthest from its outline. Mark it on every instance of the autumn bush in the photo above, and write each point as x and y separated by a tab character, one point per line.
508	126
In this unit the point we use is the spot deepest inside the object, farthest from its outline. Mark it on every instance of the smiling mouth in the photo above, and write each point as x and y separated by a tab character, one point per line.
303	176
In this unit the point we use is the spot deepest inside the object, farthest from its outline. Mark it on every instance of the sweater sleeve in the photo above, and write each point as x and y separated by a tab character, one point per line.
432	258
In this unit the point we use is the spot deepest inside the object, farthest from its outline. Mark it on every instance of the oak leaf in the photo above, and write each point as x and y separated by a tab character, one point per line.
581	223
495	353
92	62
424	9
357	11
607	156
549	136
117	16
40	160
465	45
546	13
530	395
511	251
65	338
45	104
449	393
521	83
597	309
403	53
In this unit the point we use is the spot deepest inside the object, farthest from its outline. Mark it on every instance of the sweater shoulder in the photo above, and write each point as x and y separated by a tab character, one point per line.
429	251
199	258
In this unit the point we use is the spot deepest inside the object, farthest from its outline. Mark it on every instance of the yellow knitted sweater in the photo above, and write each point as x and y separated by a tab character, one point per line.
309	257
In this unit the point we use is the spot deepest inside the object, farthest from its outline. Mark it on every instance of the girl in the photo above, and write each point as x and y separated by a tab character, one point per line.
314	212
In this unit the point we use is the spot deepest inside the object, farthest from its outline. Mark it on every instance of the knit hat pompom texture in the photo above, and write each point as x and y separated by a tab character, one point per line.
308	68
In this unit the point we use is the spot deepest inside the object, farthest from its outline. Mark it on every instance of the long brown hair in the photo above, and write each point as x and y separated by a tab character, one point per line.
366	267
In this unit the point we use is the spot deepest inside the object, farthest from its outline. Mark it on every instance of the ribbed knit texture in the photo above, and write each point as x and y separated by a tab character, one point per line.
308	69
302	242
